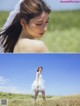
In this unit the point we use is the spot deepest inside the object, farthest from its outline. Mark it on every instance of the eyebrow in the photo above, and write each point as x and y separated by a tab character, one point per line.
42	20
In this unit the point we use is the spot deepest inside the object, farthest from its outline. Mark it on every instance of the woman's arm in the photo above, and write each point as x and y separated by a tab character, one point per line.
37	78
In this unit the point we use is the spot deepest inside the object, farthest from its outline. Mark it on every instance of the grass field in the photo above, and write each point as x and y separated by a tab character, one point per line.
63	33
27	100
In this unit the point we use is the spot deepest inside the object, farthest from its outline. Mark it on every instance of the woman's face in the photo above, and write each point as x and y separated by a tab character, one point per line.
40	69
38	25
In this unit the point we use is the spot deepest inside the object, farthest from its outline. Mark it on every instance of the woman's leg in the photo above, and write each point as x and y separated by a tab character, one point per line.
35	96
43	95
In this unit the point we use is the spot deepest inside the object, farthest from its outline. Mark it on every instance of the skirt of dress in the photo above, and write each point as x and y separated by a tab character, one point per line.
40	85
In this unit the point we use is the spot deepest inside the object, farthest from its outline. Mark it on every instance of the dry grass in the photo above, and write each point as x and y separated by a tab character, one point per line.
53	101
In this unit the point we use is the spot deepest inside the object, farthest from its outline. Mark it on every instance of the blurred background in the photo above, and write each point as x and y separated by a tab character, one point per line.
63	34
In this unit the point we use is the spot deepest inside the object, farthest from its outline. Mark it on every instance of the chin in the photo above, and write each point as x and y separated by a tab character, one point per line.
40	35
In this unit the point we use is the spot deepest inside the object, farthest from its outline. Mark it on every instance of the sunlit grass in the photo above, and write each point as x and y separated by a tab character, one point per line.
27	100
63	41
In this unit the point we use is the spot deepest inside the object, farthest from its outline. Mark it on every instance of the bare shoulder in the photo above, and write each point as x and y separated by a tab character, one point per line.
42	47
30	45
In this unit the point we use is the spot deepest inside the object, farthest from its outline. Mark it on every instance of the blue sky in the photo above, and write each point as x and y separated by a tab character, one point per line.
60	71
55	4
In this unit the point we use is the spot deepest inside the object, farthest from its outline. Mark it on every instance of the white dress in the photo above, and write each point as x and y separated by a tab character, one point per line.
40	83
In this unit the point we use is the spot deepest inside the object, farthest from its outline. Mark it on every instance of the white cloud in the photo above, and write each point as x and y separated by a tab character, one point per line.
3	80
12	90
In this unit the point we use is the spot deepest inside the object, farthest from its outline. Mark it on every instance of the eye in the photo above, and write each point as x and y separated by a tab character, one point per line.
42	23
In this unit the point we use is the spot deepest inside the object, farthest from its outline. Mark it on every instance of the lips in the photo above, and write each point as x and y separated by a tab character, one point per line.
41	33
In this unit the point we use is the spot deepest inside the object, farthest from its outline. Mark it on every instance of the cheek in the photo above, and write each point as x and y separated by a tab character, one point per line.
34	28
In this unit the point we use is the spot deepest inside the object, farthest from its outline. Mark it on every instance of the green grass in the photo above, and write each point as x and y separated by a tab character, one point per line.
14	96
63	41
27	100
64	20
18	96
63	34
3	17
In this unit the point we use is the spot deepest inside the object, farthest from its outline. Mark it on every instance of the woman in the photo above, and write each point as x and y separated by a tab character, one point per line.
38	85
25	23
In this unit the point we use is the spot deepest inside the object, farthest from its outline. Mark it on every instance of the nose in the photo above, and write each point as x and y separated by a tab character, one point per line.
44	28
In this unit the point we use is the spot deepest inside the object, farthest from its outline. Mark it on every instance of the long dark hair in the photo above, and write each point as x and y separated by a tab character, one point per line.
28	9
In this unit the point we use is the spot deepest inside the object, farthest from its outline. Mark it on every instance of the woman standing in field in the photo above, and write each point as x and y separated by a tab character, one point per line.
38	85
25	23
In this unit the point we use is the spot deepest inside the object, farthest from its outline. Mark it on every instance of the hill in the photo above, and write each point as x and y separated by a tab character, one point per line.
27	100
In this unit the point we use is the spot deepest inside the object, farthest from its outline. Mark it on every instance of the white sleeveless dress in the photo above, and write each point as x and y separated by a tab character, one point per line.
40	83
